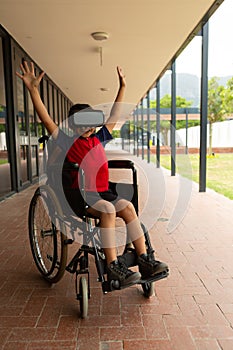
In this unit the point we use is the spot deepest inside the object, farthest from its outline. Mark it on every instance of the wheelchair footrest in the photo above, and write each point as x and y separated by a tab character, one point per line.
155	278
110	286
129	258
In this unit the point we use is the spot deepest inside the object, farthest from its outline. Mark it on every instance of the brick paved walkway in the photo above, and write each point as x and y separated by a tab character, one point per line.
192	308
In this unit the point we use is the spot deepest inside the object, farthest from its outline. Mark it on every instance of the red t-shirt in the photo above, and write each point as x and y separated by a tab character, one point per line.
90	155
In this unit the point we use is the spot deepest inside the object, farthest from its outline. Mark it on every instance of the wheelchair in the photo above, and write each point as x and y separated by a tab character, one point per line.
52	231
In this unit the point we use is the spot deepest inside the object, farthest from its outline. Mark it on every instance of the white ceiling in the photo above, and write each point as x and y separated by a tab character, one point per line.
144	35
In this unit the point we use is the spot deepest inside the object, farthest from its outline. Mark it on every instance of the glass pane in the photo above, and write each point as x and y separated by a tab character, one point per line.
39	126
65	108
188	68
45	89
41	129
220	98
220	38
32	121
34	160
56	118
5	173
23	163
152	96
22	128
63	111
51	102
220	101
165	108
59	107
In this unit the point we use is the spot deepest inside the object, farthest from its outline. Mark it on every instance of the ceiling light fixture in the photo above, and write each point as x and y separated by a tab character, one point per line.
100	36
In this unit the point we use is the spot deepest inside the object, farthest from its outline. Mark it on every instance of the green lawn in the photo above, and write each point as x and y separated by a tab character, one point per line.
219	170
3	161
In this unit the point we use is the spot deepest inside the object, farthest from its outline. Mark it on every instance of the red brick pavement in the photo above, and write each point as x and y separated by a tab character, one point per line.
191	309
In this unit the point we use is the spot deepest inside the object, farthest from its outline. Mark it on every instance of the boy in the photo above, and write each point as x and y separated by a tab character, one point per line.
86	149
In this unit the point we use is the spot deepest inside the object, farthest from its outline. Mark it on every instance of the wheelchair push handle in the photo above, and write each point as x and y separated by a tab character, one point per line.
43	140
70	166
112	164
121	163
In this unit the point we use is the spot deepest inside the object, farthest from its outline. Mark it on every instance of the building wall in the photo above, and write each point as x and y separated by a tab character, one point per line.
222	135
20	126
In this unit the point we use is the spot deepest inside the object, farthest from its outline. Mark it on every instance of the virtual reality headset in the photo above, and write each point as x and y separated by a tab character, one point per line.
88	118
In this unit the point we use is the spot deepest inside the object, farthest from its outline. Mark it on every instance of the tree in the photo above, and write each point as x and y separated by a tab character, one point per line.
215	106
152	103
227	95
165	102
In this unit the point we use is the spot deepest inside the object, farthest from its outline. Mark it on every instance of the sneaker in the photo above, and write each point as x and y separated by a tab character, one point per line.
149	267
116	270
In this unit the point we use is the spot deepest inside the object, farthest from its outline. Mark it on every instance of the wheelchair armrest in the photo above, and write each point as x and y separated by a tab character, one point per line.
121	164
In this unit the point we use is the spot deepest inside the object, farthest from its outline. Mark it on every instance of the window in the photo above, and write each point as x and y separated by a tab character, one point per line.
5	174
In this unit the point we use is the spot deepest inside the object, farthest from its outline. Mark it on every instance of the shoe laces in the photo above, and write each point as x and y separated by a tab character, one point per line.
121	269
151	260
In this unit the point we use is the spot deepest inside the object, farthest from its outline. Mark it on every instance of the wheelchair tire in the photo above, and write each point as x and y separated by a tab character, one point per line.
47	234
148	289
83	297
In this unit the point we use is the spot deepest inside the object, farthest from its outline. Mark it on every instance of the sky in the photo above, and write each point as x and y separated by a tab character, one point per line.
220	46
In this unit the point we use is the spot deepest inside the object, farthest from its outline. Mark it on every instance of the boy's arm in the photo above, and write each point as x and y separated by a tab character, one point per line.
116	108
32	83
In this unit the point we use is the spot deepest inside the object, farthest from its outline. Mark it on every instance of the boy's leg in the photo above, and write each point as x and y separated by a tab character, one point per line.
148	266
107	214
126	211
115	269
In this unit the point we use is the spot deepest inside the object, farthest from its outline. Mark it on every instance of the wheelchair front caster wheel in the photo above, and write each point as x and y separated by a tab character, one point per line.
83	297
148	289
115	284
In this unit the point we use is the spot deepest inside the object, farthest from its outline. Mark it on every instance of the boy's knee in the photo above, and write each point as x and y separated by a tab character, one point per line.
107	208
130	207
125	206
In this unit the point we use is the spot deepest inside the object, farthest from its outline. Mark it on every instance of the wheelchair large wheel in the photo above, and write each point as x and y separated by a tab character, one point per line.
47	234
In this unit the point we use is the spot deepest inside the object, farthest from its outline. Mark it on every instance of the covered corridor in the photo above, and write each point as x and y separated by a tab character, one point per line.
191	309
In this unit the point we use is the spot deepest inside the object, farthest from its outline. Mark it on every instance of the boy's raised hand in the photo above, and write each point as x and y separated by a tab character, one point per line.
121	76
32	82
28	76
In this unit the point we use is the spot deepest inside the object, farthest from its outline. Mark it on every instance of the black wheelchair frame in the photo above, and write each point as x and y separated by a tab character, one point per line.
48	225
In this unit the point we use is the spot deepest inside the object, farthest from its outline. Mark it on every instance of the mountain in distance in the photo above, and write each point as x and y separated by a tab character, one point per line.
187	86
